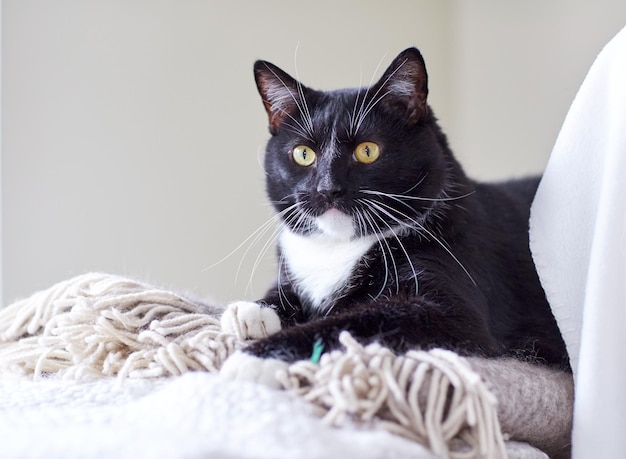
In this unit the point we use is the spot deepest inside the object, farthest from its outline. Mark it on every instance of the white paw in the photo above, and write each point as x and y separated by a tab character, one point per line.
245	367
249	320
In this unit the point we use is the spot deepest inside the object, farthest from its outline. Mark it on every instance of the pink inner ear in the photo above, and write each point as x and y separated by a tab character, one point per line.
410	83
278	96
405	82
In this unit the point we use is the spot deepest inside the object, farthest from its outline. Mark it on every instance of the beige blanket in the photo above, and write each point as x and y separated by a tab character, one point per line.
99	330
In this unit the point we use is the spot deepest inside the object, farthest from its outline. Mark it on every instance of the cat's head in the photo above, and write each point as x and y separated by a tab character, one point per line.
353	162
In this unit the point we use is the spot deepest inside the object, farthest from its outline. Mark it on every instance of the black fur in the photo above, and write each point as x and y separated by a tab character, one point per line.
477	290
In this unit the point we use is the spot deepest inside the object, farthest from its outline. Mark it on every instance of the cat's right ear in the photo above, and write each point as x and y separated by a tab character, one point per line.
405	86
280	92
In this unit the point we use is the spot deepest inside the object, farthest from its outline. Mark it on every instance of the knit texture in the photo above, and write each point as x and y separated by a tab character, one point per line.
99	325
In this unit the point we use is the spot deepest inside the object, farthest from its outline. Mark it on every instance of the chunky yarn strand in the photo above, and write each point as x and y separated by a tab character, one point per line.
99	325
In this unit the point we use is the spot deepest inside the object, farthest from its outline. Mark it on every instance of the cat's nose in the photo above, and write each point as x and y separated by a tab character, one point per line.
330	191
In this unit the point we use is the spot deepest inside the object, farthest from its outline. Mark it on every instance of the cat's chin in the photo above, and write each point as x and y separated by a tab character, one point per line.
336	225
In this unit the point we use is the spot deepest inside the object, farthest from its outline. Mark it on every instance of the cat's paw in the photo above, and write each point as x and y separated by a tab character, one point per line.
249	320
246	367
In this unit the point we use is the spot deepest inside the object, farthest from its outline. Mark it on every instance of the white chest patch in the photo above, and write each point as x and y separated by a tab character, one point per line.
321	264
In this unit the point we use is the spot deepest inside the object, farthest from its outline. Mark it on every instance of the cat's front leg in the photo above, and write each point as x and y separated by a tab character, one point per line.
250	320
400	324
242	366
256	321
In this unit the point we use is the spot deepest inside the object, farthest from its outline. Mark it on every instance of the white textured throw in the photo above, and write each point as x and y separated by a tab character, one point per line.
98	325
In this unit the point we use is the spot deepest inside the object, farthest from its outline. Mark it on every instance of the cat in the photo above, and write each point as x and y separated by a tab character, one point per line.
383	235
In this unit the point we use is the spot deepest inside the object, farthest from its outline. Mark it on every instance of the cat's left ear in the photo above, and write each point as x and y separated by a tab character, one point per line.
280	92
405	83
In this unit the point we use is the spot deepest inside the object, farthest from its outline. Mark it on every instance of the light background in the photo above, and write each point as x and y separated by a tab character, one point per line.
132	131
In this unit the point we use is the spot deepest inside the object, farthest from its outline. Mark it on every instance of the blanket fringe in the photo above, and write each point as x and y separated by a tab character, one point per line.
99	325
432	397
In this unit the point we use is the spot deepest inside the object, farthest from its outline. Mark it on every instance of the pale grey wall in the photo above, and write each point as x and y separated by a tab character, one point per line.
132	129
518	65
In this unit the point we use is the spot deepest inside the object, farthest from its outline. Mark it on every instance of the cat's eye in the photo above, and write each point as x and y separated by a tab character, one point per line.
367	152
303	155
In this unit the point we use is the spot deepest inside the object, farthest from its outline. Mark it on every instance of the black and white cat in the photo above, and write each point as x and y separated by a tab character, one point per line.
383	235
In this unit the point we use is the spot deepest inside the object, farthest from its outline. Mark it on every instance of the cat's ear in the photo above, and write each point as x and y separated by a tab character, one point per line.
405	86
280	92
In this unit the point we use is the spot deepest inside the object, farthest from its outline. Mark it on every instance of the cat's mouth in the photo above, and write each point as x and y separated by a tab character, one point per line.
336	224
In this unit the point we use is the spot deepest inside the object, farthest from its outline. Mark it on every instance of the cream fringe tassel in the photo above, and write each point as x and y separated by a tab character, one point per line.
98	325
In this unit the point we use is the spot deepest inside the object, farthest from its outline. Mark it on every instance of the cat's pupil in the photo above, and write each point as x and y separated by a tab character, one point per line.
367	151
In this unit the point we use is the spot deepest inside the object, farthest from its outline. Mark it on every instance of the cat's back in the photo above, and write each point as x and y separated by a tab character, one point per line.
509	200
498	233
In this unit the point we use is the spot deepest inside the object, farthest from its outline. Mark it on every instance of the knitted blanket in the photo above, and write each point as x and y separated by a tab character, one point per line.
97	329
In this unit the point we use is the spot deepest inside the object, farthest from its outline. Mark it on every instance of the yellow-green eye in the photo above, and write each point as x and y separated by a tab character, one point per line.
303	155
367	152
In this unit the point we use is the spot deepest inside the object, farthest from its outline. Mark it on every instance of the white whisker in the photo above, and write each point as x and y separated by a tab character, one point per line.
375	99
429	233
306	114
419	182
372	205
354	129
271	240
282	297
416	198
298	130
309	128
267	226
256	234
369	108
382	242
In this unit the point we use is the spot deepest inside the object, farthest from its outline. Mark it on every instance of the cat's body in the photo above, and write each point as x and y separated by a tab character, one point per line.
384	236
